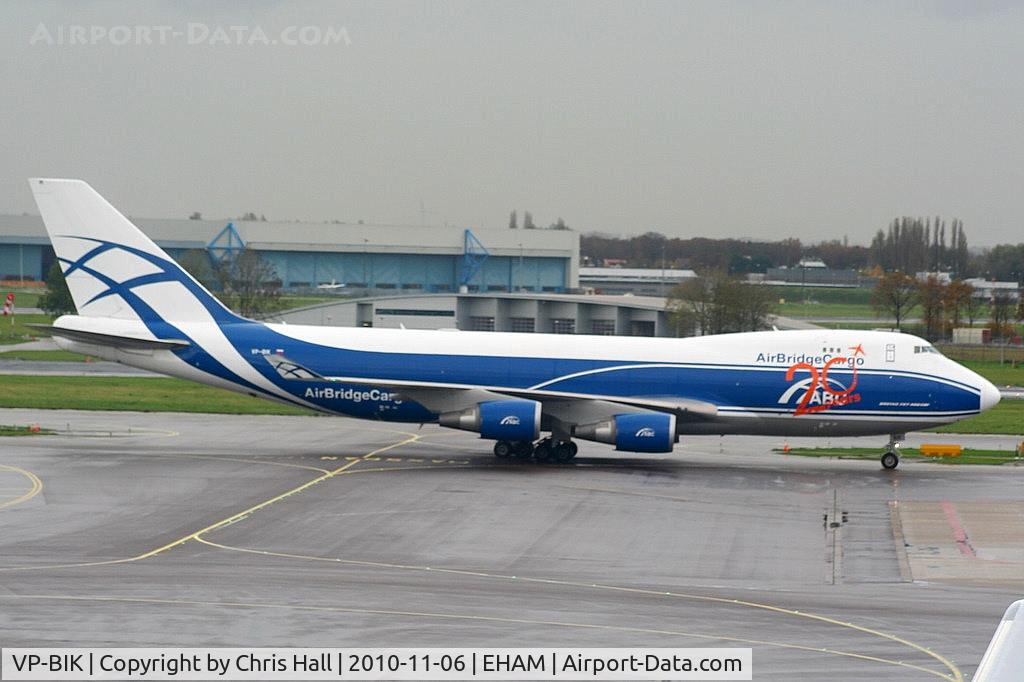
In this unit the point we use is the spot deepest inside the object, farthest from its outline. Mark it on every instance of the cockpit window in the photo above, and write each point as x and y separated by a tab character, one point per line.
926	349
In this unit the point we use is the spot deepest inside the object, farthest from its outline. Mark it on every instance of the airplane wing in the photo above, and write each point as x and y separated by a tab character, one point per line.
570	408
1004	658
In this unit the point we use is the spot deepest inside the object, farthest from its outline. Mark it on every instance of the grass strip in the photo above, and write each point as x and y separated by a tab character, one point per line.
1006	418
11	430
968	456
42	355
141	394
14	329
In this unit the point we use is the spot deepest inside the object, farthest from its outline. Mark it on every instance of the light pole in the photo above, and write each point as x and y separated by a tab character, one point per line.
519	286
663	268
366	282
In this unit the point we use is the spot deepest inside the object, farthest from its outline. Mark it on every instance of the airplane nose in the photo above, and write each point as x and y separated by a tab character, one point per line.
989	395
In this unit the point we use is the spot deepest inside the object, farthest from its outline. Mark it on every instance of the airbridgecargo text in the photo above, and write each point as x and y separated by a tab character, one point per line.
354	395
375	664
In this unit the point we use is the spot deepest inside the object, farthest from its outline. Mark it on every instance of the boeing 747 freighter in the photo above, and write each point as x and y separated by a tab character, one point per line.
532	394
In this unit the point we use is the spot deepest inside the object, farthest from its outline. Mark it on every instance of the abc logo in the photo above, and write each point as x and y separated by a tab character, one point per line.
646	432
510	420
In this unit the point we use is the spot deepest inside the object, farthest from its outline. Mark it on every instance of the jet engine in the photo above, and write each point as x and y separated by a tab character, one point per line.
513	420
638	432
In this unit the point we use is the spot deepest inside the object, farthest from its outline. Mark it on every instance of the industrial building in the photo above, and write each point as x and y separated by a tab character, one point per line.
635	281
364	258
539	313
813	271
528	313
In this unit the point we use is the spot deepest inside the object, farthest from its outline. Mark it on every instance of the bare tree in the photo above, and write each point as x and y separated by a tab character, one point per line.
931	294
757	303
1003	311
717	303
958	301
689	307
197	263
253	285
894	295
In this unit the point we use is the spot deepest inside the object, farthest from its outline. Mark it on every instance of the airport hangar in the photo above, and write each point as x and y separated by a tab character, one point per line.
417	277
367	259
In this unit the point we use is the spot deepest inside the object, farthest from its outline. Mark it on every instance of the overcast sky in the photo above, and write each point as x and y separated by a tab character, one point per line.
761	120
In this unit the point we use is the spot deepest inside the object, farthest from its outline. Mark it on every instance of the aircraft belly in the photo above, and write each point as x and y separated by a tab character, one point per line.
788	425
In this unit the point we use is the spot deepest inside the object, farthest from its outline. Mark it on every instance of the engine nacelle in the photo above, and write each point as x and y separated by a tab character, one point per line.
498	419
639	432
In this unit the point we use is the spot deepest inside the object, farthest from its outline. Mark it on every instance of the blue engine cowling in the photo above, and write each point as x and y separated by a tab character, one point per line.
639	432
498	419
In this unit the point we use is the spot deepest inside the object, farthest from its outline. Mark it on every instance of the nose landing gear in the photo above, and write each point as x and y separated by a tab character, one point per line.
891	457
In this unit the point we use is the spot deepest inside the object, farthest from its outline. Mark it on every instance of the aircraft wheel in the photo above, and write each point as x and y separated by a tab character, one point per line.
542	451
502	449
563	451
890	460
573	449
523	449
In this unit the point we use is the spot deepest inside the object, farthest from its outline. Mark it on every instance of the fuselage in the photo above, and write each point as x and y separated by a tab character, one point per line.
827	382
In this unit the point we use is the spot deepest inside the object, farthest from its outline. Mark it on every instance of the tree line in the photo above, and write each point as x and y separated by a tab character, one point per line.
945	306
915	245
910	245
528	224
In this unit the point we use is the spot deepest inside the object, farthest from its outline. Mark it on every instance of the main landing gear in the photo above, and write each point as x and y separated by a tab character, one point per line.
891	458
545	450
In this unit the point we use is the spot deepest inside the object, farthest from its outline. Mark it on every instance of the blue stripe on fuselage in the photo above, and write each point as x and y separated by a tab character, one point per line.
887	392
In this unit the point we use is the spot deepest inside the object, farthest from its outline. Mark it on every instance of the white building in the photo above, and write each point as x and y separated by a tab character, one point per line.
986	289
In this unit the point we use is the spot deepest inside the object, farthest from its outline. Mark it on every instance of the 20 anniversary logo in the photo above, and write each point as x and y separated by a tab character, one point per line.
820	393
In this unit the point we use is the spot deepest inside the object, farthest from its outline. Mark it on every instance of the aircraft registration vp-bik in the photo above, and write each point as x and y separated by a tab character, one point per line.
137	306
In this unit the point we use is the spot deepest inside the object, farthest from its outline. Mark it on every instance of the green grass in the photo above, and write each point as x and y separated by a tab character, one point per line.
295	301
986	354
1005	418
867	326
18	332
825	302
25	299
968	456
823	294
9	430
817	310
44	355
1000	375
145	394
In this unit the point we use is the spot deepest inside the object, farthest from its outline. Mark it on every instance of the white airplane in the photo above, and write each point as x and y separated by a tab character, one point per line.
1004	659
331	286
137	306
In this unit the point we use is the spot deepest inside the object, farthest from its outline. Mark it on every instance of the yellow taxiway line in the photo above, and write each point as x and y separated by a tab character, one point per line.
35	488
474	618
954	673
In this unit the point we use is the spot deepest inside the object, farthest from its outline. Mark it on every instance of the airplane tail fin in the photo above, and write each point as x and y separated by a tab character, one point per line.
112	269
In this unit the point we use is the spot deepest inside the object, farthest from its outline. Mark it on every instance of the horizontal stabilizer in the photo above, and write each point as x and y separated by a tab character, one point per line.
112	340
293	371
